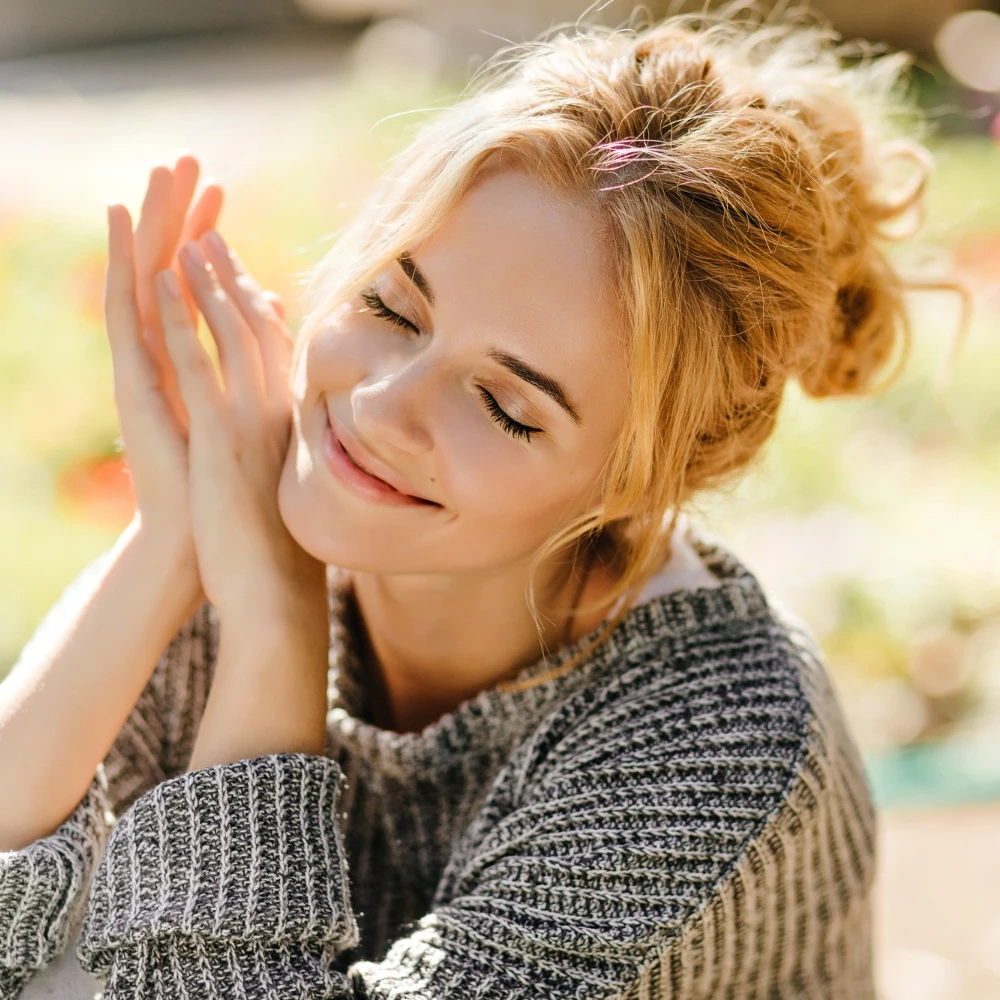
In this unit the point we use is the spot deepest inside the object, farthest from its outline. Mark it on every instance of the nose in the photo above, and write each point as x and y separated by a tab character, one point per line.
394	410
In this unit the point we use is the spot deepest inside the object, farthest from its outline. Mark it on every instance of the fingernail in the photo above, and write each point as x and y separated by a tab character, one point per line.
193	253
217	242
170	283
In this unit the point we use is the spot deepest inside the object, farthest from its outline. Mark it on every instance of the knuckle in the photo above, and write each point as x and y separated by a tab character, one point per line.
246	414
189	355
197	361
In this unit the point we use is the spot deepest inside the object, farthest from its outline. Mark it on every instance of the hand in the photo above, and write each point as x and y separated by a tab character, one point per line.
164	222
238	436
163	226
153	417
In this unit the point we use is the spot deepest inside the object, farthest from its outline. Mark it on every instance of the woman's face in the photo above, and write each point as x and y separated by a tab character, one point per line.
496	397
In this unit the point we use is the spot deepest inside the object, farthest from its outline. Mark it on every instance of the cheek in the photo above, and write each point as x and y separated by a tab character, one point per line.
509	498
338	357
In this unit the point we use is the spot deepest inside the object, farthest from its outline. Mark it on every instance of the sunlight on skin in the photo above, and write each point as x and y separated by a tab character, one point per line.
513	268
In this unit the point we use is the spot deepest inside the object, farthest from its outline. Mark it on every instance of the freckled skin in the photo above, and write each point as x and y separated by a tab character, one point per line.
513	267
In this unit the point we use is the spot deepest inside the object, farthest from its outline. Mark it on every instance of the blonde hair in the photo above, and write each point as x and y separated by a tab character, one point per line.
738	170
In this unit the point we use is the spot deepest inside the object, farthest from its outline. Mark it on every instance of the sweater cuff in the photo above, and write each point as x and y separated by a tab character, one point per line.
42	885
248	851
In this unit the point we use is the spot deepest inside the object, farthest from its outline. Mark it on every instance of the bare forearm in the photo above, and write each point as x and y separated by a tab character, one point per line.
269	688
61	711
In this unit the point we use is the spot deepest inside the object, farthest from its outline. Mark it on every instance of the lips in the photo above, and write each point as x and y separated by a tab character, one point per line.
350	455
372	466
362	468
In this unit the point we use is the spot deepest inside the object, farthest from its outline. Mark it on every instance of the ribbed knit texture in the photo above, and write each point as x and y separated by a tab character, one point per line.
684	815
41	886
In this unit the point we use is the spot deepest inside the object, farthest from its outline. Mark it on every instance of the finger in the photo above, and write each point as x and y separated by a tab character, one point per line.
195	375
277	303
176	218
205	213
275	343
138	384
185	177
202	217
186	171
163	216
132	364
119	286
239	354
155	239
151	234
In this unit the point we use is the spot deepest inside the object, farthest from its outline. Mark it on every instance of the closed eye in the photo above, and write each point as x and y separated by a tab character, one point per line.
514	428
505	420
373	300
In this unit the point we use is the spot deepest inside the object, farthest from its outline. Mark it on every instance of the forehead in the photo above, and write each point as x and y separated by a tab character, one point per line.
529	269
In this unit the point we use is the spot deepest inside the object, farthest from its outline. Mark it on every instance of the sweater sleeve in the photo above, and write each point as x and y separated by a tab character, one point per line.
688	840
43	885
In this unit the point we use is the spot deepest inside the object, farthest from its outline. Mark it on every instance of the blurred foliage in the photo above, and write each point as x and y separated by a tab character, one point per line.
873	519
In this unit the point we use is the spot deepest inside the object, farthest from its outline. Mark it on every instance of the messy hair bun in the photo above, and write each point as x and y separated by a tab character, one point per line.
866	316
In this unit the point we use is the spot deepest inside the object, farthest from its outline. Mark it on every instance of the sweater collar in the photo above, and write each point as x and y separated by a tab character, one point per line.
500	716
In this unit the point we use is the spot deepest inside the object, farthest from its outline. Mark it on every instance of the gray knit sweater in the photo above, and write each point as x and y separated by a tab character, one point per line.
684	815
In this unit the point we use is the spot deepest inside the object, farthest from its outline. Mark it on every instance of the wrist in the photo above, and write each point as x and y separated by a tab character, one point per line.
281	624
262	628
174	563
271	604
268	692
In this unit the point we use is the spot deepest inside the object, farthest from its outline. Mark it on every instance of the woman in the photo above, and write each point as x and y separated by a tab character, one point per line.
454	702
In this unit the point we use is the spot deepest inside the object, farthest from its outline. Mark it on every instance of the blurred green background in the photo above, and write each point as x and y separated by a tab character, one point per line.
876	520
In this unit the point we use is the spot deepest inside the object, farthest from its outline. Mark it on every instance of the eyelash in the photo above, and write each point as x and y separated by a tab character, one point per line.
373	300
508	423
516	430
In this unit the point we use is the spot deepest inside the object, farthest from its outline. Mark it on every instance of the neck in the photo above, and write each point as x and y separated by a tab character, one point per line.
434	641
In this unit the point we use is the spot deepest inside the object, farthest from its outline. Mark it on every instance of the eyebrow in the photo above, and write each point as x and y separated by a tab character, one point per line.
533	377
415	275
513	364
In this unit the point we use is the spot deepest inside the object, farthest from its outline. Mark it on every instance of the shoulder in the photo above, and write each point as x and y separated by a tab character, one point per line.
708	790
722	758
737	715
729	697
724	677
699	806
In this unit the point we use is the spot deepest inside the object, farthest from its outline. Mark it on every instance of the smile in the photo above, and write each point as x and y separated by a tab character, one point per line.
359	480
